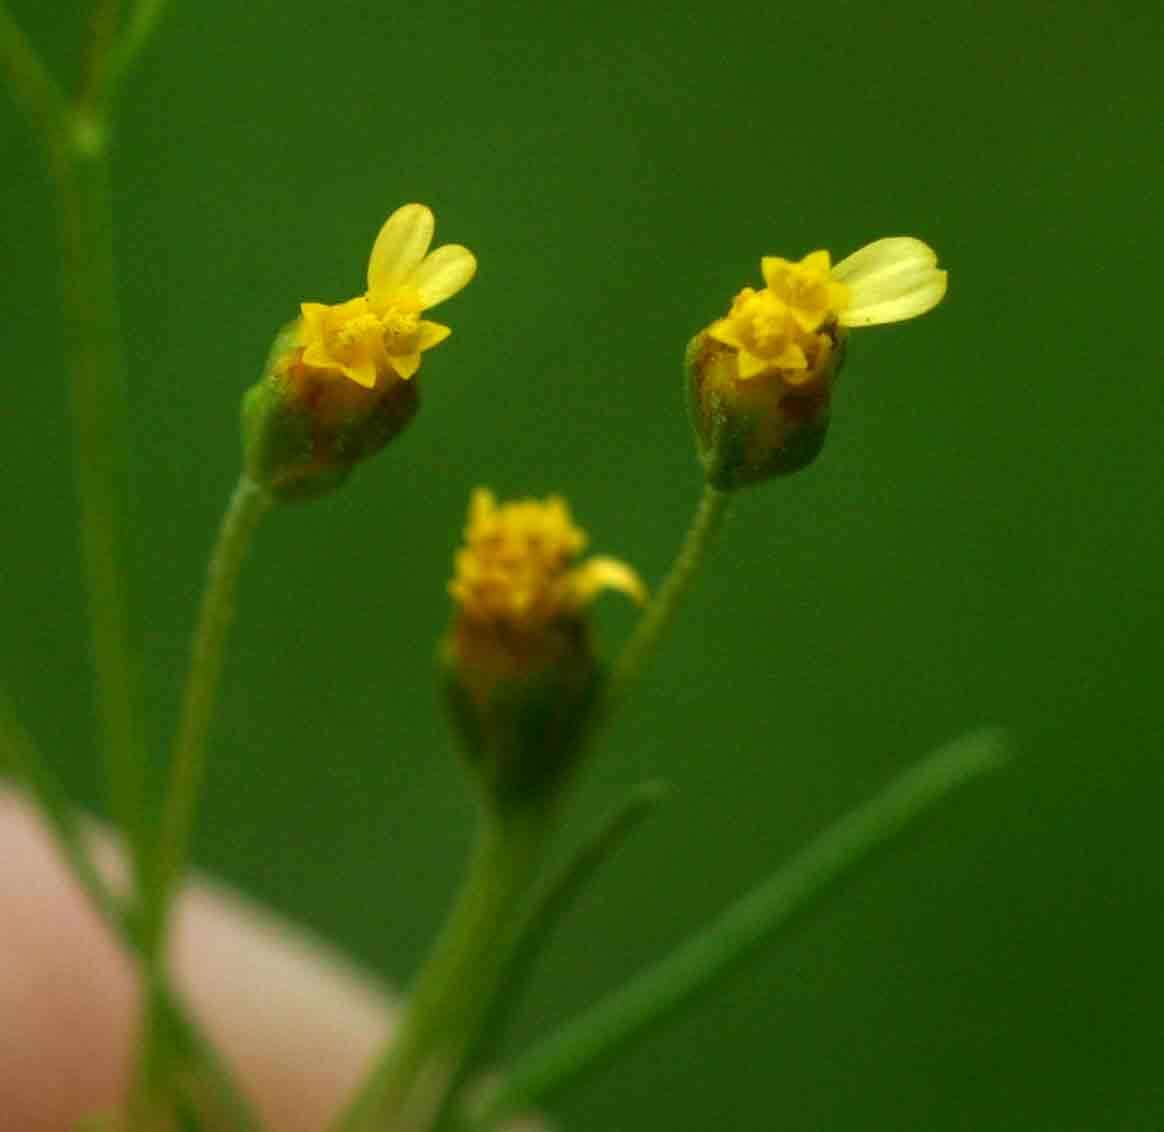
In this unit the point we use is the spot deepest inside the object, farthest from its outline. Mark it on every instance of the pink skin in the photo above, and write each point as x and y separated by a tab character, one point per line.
295	1022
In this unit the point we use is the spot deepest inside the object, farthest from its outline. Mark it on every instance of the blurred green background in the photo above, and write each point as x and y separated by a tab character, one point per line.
980	541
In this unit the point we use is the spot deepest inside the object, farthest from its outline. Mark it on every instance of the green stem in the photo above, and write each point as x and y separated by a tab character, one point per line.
104	29
204	1070
76	148
543	914
664	605
100	429
76	140
24	759
454	990
140	28
247	506
33	86
76	143
635	1009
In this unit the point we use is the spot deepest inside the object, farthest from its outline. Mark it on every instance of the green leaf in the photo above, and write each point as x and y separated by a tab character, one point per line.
634	1010
546	912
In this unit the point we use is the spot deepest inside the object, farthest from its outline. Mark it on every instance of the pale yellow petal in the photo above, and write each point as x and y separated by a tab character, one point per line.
401	245
888	254
889	284
602	573
894	305
430	334
443	273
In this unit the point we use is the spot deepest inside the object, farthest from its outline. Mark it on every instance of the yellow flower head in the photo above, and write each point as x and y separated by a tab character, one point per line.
381	333
517	571
790	328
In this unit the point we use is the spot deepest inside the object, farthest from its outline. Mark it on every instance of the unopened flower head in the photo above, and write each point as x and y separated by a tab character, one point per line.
760	378
380	335
520	673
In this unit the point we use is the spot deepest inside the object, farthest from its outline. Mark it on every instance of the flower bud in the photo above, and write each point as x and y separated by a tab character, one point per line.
304	430
760	379
519	669
751	430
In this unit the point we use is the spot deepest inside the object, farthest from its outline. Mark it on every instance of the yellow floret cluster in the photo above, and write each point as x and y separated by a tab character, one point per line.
380	335
791	326
517	566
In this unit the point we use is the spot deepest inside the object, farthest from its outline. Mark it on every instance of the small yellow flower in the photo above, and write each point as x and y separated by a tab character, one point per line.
517	571
518	665
791	327
380	333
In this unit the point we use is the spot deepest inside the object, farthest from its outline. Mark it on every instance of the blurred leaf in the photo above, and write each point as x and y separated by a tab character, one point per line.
631	1012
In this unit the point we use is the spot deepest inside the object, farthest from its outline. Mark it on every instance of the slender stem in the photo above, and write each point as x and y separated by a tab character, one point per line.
635	1009
142	23
661	612
76	140
555	898
204	1070
454	990
544	912
33	85
100	428
104	26
78	157
31	768
248	504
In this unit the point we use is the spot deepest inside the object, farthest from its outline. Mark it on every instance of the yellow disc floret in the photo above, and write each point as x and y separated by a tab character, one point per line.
807	289
517	568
